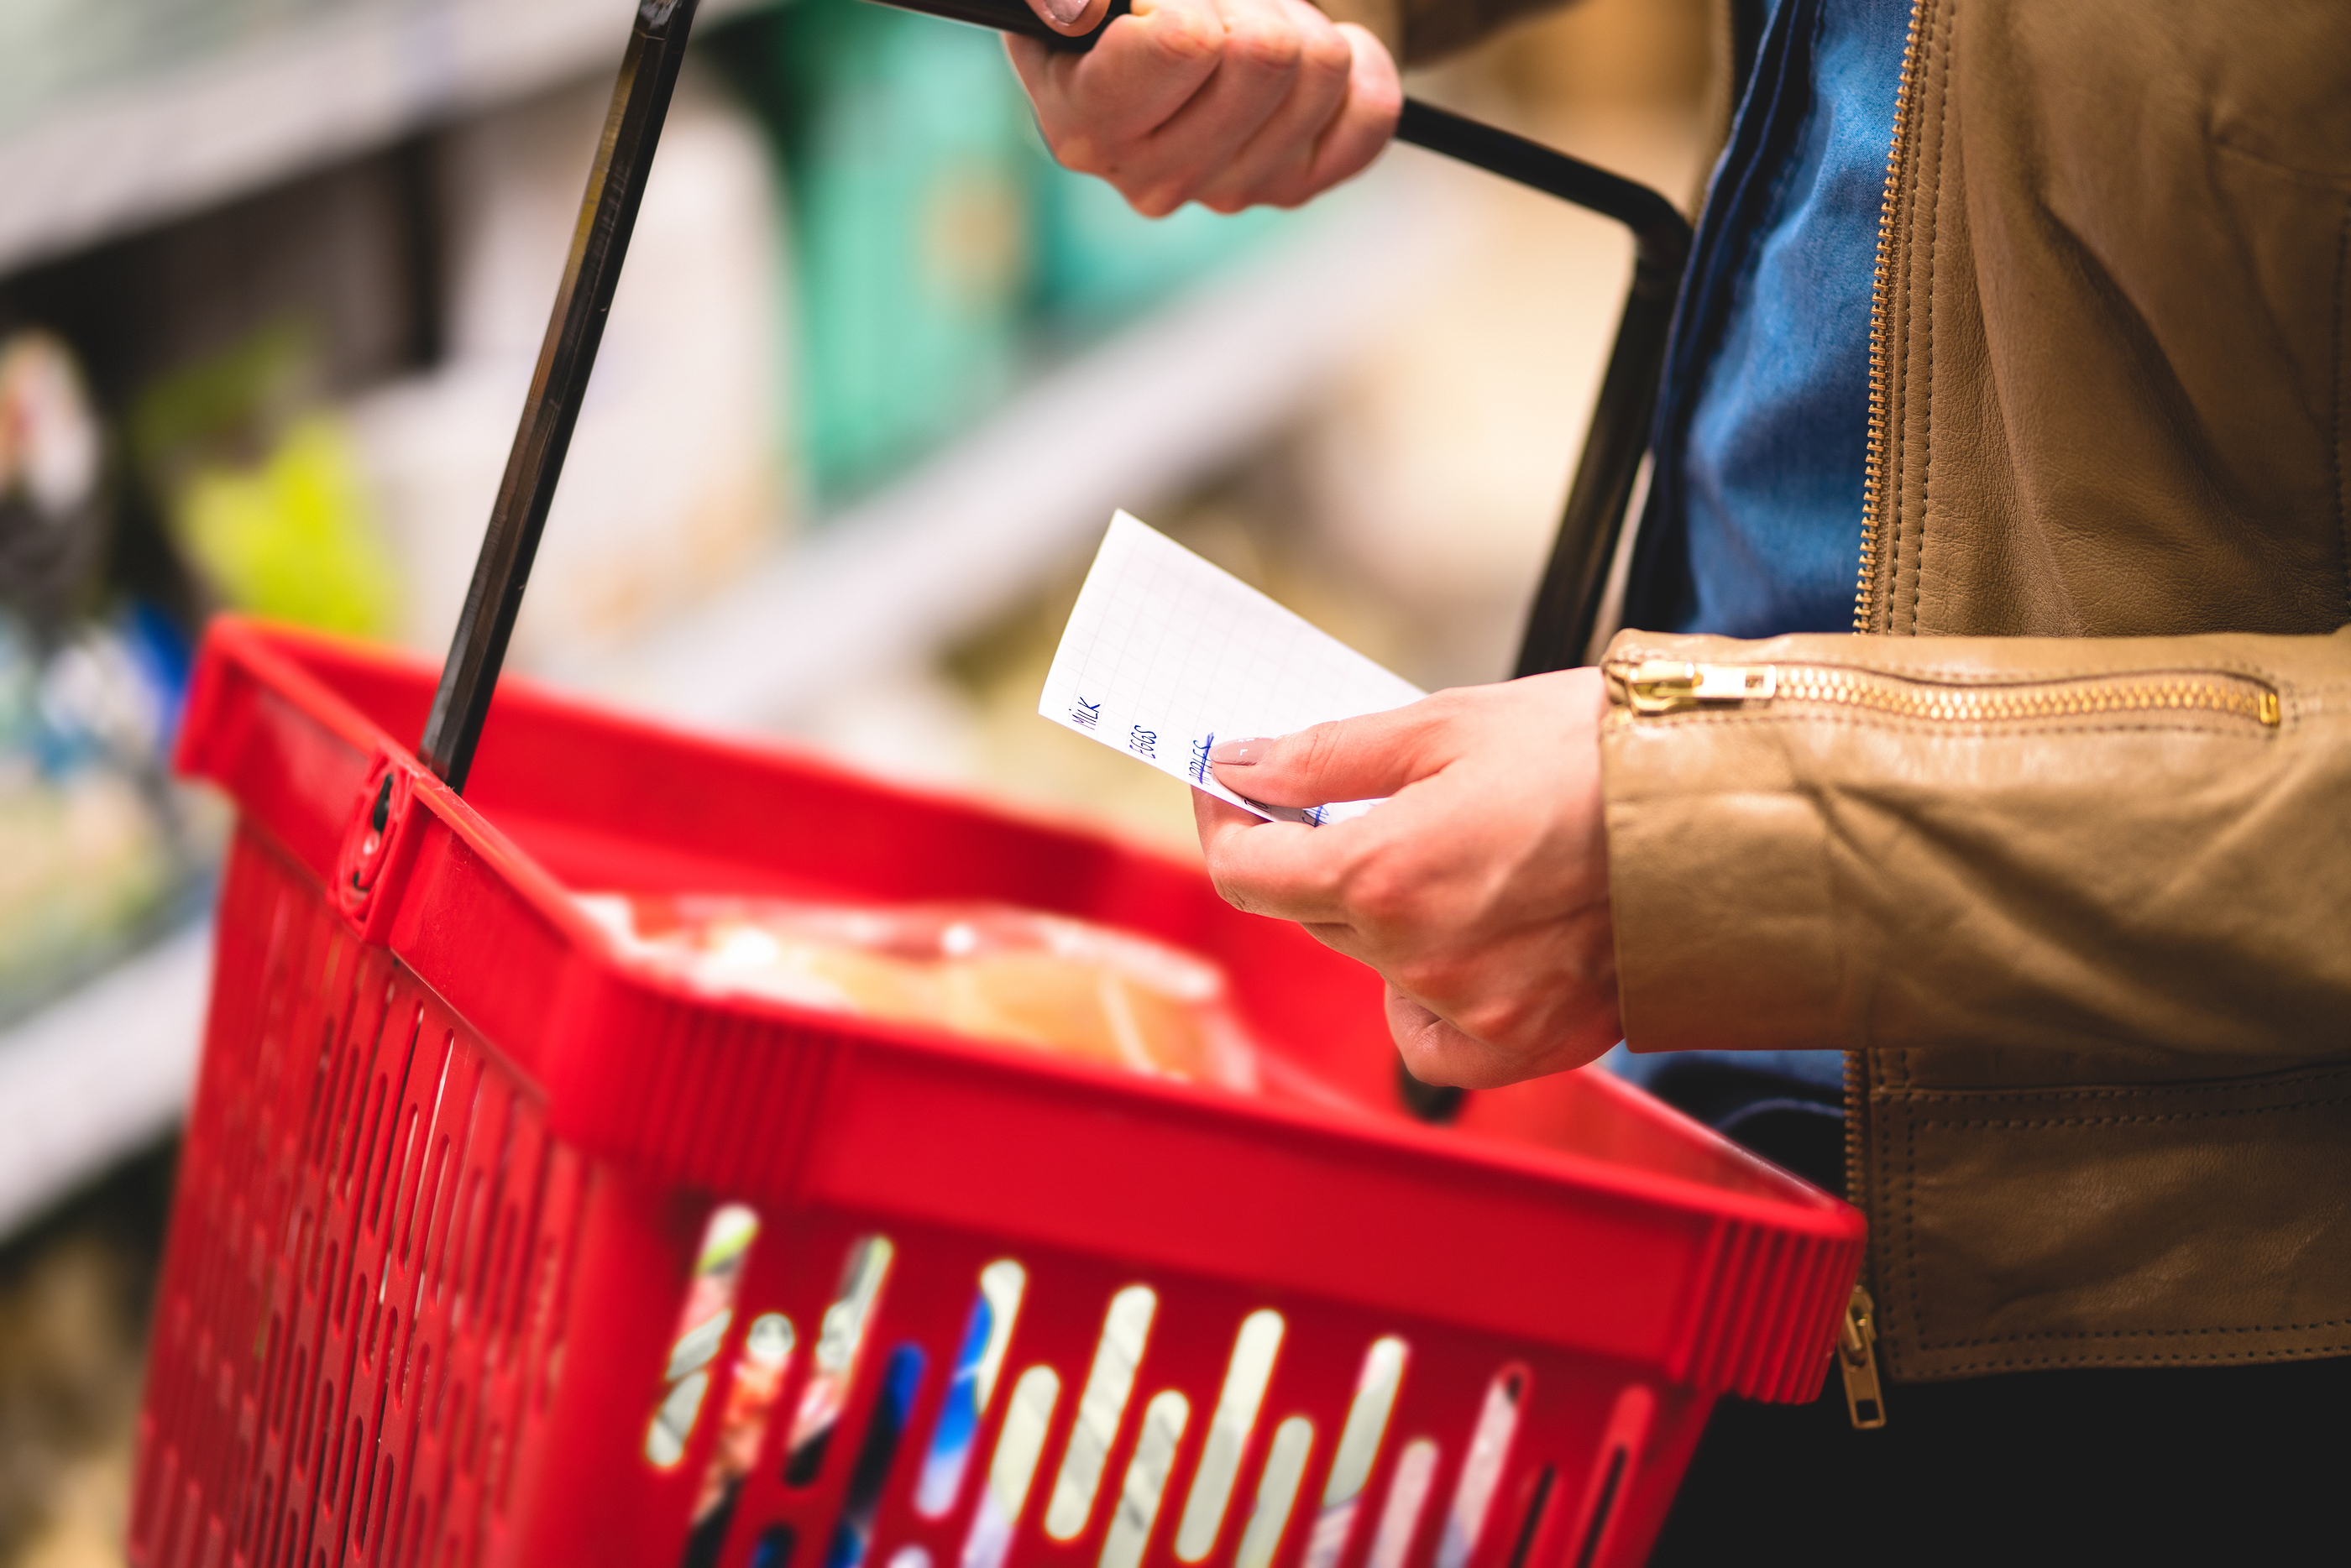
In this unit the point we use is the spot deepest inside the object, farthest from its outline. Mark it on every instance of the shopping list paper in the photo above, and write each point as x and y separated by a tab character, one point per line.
1166	655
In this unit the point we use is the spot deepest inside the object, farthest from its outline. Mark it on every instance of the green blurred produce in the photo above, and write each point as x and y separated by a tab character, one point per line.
937	246
294	536
262	490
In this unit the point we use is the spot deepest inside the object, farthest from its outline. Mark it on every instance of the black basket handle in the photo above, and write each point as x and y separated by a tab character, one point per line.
616	185
1566	605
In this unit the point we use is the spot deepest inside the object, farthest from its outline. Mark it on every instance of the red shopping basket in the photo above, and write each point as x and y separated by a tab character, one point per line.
440	1285
492	1247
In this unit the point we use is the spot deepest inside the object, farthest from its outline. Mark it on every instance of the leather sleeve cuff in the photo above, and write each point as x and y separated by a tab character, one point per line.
2071	846
1719	882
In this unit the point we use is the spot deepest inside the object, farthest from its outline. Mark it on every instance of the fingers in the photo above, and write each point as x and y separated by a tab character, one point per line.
1434	1051
1340	117
1100	111
1250	135
1348	759
1262	57
1216	816
1229	102
1074	18
1368	120
1480	891
1275	162
1274	868
1294	872
1440	1052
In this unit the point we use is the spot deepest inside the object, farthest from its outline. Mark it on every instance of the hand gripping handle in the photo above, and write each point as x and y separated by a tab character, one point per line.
1567	603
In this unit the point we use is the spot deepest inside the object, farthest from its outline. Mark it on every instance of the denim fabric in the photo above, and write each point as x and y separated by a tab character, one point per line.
1754	521
1794	1066
1753	525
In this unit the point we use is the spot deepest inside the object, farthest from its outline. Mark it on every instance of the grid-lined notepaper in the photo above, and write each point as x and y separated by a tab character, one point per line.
1166	655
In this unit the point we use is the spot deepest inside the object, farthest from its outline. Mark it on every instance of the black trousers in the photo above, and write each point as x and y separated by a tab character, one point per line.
2192	1465
2189	1464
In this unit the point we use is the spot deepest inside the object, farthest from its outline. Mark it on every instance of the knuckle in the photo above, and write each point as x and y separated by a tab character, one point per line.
1433	716
1327	54
1320	749
1267	45
1382	96
1486	1020
1155	200
1188	34
1081	154
1376	889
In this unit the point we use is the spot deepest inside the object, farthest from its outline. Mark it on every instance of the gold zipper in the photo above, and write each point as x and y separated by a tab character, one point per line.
1856	1105
1661	687
1859	1330
1876	503
1856	1354
1658	687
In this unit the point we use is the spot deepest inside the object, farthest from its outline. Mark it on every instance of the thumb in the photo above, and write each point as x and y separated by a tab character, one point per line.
1070	17
1346	759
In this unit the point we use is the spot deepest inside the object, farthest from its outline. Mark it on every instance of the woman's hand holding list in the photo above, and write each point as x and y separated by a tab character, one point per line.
1478	890
1229	103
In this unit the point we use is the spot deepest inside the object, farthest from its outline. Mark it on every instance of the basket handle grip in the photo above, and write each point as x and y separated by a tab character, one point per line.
1566	605
1659	228
1568	602
616	186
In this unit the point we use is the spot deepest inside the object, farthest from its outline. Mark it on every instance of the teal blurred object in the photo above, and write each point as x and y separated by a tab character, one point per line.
904	139
934	241
1101	262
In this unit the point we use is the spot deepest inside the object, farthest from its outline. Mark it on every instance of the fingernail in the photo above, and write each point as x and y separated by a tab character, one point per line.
1066	11
1239	753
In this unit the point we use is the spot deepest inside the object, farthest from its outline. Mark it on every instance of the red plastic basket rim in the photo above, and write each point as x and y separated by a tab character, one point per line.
265	650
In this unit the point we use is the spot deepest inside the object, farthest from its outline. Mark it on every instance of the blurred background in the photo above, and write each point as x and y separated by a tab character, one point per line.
273	275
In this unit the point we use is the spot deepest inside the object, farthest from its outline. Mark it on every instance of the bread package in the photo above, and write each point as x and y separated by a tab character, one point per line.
991	972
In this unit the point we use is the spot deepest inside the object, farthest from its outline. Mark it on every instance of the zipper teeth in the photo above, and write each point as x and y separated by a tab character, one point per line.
1852	1097
1875	504
1994	704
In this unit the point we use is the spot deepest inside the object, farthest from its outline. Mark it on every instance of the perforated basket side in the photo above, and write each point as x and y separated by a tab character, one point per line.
358	1313
1582	1463
375	1281
445	1197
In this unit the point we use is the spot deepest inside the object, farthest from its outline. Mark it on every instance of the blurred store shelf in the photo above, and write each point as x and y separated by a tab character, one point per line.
1132	421
100	1072
153	126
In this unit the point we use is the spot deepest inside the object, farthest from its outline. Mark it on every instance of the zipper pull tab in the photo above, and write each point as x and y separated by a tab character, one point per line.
1856	1350
1671	686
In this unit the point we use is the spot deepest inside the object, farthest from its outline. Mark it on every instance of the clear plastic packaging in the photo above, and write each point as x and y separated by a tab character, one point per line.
990	971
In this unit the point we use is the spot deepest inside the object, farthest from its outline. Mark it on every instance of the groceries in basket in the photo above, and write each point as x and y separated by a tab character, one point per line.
992	972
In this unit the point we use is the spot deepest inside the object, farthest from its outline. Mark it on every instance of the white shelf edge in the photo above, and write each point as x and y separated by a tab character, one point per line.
164	145
1128	423
100	1072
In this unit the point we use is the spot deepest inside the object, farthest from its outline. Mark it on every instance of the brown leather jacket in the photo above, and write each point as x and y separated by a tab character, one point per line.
2058	849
